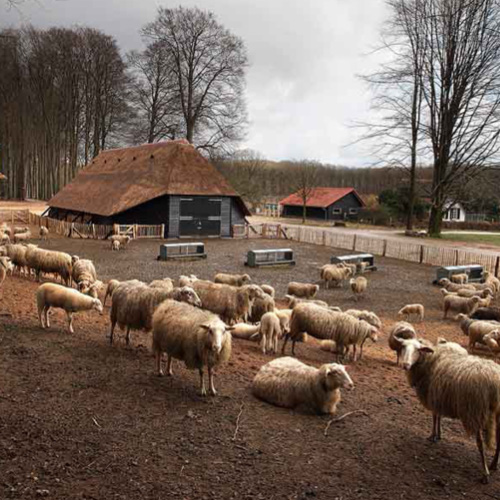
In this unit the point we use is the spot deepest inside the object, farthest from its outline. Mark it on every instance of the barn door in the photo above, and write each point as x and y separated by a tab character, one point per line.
200	216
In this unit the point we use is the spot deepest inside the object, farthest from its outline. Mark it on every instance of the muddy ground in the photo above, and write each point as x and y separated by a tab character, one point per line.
80	419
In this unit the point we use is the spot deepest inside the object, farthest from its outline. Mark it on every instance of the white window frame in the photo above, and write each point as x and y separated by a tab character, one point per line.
336	211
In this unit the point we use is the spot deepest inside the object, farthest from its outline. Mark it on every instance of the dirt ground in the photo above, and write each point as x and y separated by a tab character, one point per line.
80	419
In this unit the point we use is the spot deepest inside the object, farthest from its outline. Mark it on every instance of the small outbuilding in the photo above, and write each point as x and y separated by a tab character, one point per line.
324	203
167	183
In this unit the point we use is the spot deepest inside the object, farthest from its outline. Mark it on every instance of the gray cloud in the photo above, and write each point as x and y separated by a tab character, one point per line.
302	90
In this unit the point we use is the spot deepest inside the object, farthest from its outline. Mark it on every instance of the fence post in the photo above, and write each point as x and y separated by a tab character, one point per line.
456	257
497	266
93	231
324	237
354	242
421	254
116	229
71	230
162	235
384	250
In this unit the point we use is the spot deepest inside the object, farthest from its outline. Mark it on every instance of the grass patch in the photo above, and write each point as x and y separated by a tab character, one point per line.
488	239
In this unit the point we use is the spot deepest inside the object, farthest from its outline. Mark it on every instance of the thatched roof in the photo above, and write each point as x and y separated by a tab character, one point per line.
321	197
120	179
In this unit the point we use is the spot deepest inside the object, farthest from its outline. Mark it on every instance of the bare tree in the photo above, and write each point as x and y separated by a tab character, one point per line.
209	67
306	176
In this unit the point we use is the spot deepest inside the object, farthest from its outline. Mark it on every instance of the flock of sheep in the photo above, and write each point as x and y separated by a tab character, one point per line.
195	321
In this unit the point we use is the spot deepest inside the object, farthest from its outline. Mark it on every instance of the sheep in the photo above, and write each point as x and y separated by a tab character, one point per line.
83	274
113	284
49	261
368	316
165	283
53	295
322	323
5	229
484	302
116	246
187	280
270	332
269	290
460	279
43	232
334	274
400	331
232	279
245	331
260	307
452	384
412	309
231	303
361	267
293	301
454	287
358	286
5	266
492	313
4	239
492	281
288	383
134	304
476	329
123	239
492	340
17	255
487	292
284	315
19	229
460	305
22	236
302	290
197	337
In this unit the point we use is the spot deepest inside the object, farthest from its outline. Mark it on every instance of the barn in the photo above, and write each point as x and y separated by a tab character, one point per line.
324	203
168	183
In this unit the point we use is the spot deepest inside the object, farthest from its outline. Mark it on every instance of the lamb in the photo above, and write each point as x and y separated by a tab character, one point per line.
17	255
49	261
270	332
288	383
492	313
53	295
454	287
133	305
400	331
197	337
293	301
268	289
83	274
232	279
229	302
43	232
245	331
452	384
487	292
412	309
5	266
22	236
358	286
368	316
334	274
165	283
460	305
461	278
284	315
302	290
116	246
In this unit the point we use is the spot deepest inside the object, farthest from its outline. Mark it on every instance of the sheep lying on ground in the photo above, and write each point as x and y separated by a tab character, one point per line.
492	340
245	331
268	289
22	236
43	232
332	274
121	238
197	337
165	283
270	332
358	286
492	313
5	266
461	278
293	301
52	295
409	310
133	305
231	303
400	331
49	261
288	383
260	307
454	287
302	290
232	279
83	274
17	255
460	305
452	384
116	246
487	292
368	316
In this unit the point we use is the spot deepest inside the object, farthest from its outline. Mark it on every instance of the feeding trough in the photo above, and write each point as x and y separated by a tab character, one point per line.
170	251
272	257
474	271
356	259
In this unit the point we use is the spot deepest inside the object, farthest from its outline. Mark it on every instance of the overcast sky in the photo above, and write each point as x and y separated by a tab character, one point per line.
303	93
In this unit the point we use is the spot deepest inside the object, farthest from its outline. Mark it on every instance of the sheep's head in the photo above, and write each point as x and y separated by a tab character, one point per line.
316	289
444	282
93	289
74	258
492	340
254	292
487	292
373	334
246	278
97	305
216	331
412	351
187	294
334	375
475	300
6	263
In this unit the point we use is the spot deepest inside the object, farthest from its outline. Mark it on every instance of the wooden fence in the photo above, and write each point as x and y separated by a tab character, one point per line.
15	216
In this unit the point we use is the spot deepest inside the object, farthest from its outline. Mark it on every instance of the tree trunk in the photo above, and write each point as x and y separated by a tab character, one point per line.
304	212
435	221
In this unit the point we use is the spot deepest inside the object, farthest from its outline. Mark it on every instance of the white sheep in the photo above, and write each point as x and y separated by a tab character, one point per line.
197	337
43	232
368	316
165	283
465	292
232	279
302	290
270	332
492	281
83	274
284	315
336	275
460	305
492	340
53	295
400	331
454	287
358	286
460	279
187	280
123	239
245	331
49	261
5	266
409	310
269	290
116	246
293	301
22	236
4	239
288	383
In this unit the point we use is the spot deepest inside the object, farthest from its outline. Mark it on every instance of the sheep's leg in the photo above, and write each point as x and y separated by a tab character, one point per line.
113	324
169	365
494	463
293	347
70	322
213	392
47	322
203	391
263	341
284	343
159	371
127	338
354	353
397	358
480	447
436	428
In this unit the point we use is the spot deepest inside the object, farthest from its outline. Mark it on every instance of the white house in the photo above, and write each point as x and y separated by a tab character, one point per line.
454	212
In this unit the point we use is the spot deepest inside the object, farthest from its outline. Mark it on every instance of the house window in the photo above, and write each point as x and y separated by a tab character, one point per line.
337	211
454	214
353	211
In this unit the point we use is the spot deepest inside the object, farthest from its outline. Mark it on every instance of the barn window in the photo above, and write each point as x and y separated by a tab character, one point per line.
337	211
353	211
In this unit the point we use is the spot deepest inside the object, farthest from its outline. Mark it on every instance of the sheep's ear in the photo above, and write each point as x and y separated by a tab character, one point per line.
229	328
426	349
205	326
